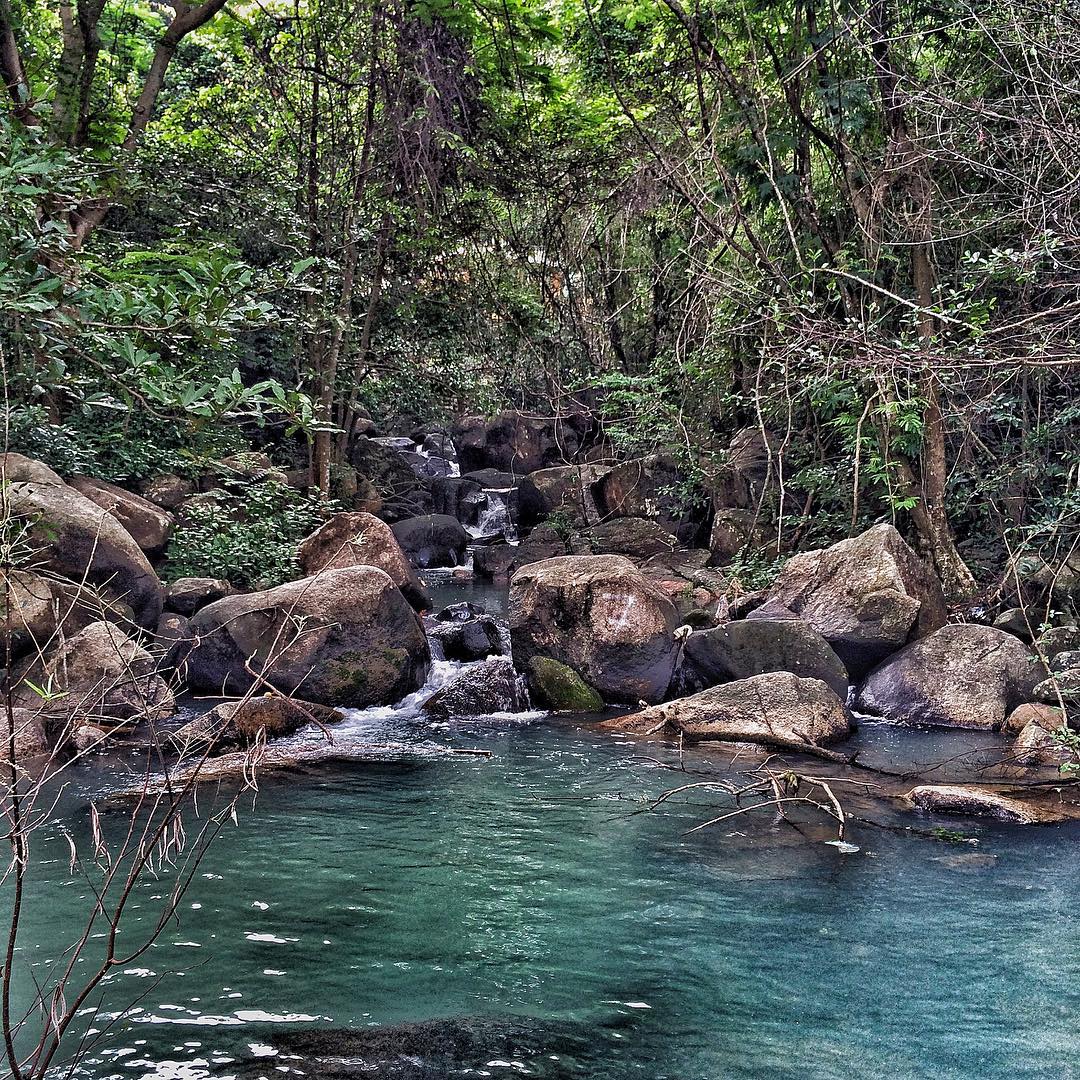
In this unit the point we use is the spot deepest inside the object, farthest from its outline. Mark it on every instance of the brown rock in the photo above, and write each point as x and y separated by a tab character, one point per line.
186	595
359	539
239	723
601	617
147	523
775	709
343	637
974	801
866	596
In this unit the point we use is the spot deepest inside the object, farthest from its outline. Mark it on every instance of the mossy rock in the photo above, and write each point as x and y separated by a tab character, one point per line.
561	688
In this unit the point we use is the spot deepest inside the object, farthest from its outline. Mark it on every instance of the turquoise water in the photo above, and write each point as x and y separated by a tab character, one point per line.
528	901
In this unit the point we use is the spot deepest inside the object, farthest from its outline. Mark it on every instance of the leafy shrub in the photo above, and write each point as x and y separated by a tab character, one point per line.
245	532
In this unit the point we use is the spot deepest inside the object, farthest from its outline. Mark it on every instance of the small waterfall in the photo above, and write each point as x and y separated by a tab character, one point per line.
495	519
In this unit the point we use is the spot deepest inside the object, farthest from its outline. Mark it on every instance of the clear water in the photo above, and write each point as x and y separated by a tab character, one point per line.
530	887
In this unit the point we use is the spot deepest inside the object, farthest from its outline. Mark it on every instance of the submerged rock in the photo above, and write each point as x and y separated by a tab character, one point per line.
776	709
962	676
491	687
601	617
360	539
975	801
344	637
741	649
867	596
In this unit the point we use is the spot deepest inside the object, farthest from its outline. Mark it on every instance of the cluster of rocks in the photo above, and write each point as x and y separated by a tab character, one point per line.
618	599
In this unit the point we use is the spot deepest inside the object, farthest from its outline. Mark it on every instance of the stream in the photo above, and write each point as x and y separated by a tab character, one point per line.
526	915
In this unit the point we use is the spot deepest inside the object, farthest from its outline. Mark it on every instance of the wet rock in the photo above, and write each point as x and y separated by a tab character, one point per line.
564	490
601	617
866	596
429	466
148	524
501	561
556	687
472	638
344	637
459	497
239	723
73	537
974	801
432	540
962	676
187	595
1065	686
359	539
775	709
491	687
515	443
739	650
99	675
440	444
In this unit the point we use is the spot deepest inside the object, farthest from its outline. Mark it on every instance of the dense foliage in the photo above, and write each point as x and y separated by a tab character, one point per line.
852	227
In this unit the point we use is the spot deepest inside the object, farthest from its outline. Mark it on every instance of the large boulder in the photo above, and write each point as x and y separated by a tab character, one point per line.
516	443
564	490
501	561
961	676
465	634
601	617
359	539
775	709
432	540
644	488
72	537
34	607
459	497
491	687
735	530
402	492
98	676
30	738
149	524
742	649
344	637
867	596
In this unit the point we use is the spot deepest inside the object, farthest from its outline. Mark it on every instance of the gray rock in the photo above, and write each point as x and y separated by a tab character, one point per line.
739	650
187	595
867	596
491	687
962	676
432	540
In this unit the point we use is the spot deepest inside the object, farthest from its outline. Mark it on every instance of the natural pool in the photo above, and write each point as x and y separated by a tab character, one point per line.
562	932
